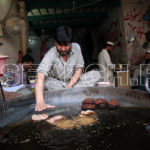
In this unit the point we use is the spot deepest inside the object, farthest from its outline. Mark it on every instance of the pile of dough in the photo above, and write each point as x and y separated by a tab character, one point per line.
84	121
39	117
55	119
87	113
85	118
66	124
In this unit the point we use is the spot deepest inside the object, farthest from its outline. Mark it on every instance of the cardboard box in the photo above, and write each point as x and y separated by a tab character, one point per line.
123	79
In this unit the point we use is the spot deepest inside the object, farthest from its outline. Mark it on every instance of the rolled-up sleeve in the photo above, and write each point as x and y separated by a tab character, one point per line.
80	60
46	63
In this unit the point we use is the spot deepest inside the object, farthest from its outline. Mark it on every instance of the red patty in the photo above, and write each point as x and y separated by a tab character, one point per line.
88	101
88	106
100	103
113	103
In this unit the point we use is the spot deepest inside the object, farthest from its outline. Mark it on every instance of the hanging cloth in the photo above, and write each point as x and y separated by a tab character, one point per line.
43	48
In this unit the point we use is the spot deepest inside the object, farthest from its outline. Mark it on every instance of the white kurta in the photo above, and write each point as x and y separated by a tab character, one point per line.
106	66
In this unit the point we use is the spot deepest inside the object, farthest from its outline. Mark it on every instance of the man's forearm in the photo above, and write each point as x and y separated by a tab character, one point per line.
39	88
75	77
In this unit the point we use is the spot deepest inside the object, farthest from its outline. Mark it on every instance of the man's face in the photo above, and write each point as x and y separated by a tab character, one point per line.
110	48
27	65
63	49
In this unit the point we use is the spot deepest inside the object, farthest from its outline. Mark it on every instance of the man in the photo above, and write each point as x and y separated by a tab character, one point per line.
105	65
62	67
141	71
20	70
146	63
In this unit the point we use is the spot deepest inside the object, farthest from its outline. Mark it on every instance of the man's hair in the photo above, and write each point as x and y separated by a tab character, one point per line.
63	35
27	58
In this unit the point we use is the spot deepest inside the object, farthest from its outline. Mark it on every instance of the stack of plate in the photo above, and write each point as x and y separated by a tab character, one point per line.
104	84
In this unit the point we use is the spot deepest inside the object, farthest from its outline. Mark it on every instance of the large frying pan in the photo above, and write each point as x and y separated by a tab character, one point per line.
69	101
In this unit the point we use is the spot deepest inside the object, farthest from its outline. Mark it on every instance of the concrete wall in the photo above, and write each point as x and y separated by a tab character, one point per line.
112	30
135	26
7	8
35	45
10	46
118	27
11	41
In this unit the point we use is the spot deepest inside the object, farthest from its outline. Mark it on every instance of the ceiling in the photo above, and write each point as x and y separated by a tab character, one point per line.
49	14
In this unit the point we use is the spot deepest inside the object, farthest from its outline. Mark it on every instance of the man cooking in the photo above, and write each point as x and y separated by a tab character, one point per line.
62	67
105	65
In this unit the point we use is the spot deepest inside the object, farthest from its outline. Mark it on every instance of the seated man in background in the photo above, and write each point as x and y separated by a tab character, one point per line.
20	70
62	67
141	70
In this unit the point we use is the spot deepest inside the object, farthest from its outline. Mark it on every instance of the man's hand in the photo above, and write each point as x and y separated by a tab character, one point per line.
42	106
39	87
68	86
75	78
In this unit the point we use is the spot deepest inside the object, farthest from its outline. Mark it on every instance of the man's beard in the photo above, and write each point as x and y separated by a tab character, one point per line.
64	53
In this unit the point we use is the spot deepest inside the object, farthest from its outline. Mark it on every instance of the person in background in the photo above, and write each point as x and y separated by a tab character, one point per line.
141	71
19	72
144	59
106	67
61	68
